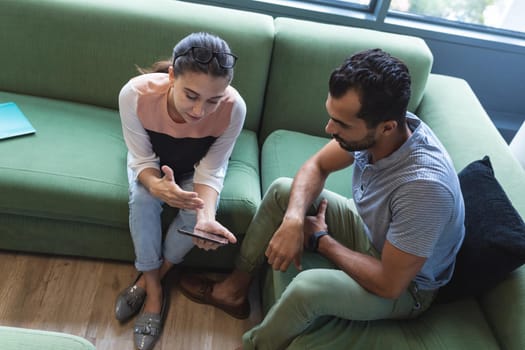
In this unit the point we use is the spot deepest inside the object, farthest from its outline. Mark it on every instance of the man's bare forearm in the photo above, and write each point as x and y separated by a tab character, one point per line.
306	187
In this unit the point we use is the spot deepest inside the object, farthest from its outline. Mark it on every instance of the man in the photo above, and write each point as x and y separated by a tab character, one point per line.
392	257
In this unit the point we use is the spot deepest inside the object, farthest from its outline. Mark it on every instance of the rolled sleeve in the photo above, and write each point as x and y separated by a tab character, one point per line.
140	150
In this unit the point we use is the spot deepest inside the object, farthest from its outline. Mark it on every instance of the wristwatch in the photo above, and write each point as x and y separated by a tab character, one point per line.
313	241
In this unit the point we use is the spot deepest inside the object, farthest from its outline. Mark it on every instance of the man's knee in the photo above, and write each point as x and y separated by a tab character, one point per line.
305	287
281	185
279	191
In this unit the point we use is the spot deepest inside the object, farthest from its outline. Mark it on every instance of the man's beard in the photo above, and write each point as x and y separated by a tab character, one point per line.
367	142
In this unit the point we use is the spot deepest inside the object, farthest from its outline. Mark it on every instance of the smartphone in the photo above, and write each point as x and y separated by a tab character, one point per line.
207	236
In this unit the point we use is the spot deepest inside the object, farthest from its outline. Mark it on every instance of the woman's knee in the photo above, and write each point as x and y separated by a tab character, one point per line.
140	196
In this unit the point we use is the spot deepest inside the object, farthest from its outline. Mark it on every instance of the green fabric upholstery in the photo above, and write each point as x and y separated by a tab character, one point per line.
467	132
493	321
504	307
304	55
13	338
91	66
452	110
66	69
285	151
77	175
64	189
454	113
74	183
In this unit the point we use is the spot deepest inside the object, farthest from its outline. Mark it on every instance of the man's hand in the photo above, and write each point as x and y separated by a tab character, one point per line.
169	192
214	227
315	223
286	245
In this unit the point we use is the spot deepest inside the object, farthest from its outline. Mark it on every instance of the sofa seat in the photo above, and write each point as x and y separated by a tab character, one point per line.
70	179
459	325
74	166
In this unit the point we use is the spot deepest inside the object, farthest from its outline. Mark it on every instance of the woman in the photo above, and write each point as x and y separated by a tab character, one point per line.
180	124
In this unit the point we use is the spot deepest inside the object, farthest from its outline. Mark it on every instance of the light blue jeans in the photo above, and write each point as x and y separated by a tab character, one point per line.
146	229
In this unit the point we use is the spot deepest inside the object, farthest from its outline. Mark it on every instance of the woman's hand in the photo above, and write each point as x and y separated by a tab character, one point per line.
169	192
214	227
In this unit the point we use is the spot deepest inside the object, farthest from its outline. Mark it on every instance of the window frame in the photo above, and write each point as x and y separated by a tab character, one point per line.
345	4
379	17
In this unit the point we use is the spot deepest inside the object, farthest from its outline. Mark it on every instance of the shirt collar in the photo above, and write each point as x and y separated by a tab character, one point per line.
415	125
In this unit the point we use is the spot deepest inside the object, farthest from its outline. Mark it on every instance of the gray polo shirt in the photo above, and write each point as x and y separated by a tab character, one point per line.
412	198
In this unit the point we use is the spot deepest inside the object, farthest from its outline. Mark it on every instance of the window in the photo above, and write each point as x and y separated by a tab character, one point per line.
490	14
488	20
497	16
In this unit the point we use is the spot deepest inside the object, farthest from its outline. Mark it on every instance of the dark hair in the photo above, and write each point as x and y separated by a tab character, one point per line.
381	81
186	63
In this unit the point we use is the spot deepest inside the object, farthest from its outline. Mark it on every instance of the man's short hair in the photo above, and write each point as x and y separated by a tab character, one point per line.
381	81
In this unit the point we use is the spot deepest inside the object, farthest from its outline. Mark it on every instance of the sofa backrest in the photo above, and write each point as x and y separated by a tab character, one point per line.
85	51
304	55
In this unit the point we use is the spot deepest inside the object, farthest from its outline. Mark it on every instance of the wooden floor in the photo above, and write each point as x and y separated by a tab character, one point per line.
77	296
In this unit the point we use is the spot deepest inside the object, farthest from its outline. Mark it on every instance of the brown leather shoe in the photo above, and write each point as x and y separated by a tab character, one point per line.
199	289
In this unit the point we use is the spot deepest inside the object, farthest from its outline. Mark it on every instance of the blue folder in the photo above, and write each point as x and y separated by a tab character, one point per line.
13	122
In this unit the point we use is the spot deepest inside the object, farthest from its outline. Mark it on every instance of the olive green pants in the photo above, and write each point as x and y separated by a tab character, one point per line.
318	292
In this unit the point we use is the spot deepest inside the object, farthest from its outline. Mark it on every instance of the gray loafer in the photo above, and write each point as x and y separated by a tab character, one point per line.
129	301
148	326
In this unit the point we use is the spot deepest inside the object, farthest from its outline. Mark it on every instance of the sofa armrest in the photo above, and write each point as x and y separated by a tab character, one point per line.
452	110
504	307
455	114
15	338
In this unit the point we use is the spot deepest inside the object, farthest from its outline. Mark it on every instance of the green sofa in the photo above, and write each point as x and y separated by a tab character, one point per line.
64	189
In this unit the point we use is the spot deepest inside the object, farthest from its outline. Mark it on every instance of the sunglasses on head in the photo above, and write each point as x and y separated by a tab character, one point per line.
204	55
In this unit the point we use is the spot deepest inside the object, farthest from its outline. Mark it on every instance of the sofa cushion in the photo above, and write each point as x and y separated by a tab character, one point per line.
284	152
304	55
73	168
494	242
85	51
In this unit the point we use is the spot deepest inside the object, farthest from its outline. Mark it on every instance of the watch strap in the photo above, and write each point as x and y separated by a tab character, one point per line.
313	241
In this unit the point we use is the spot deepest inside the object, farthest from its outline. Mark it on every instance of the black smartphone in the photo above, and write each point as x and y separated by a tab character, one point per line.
207	236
